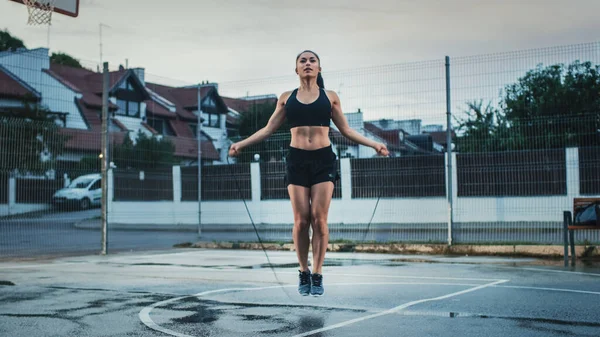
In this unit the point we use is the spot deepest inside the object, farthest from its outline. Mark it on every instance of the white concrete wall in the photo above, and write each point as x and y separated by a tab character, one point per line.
12	208
352	211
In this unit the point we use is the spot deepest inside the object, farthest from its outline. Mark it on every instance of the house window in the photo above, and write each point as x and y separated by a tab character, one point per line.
128	101
161	126
212	120
128	108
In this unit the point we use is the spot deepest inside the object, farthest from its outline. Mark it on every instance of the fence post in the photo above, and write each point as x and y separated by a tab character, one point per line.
199	144
105	84
255	181
449	176
572	168
346	178
12	194
176	172
110	191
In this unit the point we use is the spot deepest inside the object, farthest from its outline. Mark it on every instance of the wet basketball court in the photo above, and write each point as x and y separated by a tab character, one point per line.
196	292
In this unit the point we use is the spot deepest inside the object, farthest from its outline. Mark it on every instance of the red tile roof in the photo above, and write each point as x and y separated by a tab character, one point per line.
10	87
188	147
61	80
89	83
184	98
338	139
91	117
188	97
85	80
391	137
155	109
244	105
89	141
440	136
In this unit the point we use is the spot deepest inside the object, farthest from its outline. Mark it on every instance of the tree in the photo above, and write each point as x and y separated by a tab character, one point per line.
252	121
549	107
147	153
485	129
9	42
30	140
65	59
556	106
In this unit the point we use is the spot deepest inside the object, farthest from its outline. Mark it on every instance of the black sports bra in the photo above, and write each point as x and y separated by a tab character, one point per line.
317	113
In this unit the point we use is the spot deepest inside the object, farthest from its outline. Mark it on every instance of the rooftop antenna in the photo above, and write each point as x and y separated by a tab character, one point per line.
101	25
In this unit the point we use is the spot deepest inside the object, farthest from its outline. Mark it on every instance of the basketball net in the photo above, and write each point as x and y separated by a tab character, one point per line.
40	12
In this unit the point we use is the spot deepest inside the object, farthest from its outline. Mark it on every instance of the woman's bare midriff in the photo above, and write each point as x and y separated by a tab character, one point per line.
310	137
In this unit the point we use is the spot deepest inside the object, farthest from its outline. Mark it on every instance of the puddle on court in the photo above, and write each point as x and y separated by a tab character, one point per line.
224	318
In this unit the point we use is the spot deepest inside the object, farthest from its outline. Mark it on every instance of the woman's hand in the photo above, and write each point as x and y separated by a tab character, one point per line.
381	149
235	149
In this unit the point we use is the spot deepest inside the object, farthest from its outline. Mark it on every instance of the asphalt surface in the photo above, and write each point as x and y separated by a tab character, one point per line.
196	292
57	233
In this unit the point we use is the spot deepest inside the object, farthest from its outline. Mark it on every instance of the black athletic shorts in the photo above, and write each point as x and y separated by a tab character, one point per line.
310	167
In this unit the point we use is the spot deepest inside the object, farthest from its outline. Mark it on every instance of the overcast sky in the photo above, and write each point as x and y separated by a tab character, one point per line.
184	42
225	40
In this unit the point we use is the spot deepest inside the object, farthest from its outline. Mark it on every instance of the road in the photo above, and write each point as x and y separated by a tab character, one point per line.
55	233
52	233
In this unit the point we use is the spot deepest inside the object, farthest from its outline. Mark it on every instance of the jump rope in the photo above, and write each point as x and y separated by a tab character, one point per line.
258	235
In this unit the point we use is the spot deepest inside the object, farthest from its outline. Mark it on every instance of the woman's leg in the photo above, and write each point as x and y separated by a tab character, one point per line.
320	195
299	196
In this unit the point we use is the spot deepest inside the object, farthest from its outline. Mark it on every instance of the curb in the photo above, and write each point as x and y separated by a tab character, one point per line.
542	251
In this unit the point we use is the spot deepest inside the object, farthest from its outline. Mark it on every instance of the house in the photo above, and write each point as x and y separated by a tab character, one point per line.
393	139
75	96
411	136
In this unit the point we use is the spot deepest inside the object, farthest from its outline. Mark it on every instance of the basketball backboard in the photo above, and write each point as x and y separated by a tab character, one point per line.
64	7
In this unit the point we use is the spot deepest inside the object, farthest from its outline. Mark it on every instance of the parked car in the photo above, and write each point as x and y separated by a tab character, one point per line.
83	192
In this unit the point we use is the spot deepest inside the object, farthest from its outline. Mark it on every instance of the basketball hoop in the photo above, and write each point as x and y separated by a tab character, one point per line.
40	11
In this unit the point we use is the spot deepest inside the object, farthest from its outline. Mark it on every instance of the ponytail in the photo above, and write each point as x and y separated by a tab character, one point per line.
320	81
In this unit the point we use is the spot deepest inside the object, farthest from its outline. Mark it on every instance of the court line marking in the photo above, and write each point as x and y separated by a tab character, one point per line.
552	271
552	289
398	308
144	314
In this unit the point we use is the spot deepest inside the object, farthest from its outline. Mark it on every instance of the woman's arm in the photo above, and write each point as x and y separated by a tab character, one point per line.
274	123
342	124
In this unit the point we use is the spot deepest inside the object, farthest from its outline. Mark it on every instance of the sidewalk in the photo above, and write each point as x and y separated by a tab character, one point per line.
282	242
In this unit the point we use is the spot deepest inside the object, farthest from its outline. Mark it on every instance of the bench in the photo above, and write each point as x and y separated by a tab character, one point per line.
569	227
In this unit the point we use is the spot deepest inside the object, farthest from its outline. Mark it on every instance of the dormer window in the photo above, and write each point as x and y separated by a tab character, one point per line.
128	99
128	108
212	120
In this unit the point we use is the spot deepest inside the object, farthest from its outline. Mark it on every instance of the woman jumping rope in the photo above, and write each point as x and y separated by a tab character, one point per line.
311	168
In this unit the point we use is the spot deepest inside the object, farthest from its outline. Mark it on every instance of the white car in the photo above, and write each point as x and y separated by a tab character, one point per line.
84	191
